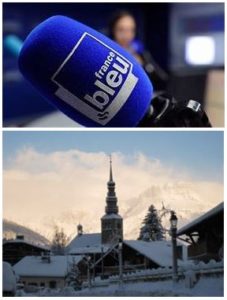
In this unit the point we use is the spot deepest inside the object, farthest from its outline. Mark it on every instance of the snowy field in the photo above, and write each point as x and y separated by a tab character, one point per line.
212	286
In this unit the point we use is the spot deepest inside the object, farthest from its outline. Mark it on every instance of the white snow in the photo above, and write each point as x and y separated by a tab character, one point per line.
89	250
195	280
204	287
84	241
34	266
203	217
189	271
213	286
9	278
159	251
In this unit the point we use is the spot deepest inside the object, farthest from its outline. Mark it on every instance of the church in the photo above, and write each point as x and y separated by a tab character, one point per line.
106	250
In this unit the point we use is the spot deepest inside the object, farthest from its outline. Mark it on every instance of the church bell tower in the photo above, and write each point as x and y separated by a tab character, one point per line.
111	222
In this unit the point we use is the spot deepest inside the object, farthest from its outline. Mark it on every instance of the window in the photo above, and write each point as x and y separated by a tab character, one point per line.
200	50
52	284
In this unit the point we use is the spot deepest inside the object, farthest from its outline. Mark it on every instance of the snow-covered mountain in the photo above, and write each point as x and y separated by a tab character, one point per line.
188	198
11	229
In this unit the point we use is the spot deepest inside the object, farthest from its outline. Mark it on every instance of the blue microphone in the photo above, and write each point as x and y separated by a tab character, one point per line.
86	75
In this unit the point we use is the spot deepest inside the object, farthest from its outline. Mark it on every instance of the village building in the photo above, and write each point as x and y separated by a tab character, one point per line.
15	249
205	235
46	271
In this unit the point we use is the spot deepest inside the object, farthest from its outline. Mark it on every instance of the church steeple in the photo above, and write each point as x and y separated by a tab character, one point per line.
111	173
111	199
111	222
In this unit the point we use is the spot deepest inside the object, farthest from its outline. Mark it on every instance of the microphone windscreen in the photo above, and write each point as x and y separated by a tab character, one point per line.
85	74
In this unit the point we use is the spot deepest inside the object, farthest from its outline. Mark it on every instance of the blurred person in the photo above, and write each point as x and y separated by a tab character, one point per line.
123	29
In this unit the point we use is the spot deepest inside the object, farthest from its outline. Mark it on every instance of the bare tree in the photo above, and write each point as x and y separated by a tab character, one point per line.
59	241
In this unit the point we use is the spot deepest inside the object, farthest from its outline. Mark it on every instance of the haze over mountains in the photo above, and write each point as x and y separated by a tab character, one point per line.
189	199
68	187
12	229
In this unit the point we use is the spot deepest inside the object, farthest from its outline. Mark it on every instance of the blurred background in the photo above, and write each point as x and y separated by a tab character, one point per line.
181	45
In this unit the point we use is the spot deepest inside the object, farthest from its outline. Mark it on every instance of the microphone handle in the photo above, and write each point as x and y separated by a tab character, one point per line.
165	111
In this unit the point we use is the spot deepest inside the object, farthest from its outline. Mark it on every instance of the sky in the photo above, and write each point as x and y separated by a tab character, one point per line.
59	178
201	153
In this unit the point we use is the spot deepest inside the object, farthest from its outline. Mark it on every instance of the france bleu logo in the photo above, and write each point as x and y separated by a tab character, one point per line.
96	84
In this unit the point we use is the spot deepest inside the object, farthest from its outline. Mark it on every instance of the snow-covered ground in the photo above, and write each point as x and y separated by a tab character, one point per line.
205	287
211	286
198	279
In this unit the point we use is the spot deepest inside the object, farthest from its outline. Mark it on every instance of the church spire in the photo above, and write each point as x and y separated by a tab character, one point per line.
111	173
111	199
111	222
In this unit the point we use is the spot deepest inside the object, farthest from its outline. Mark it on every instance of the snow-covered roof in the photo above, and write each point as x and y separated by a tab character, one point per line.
34	266
192	225
9	278
111	216
19	241
159	252
88	250
84	243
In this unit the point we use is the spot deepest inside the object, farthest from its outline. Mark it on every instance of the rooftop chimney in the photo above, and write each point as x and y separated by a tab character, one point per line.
79	229
20	237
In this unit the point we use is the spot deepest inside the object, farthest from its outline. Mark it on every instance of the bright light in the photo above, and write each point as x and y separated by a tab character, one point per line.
200	50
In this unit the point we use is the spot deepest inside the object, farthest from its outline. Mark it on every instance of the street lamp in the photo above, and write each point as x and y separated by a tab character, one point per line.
173	231
120	246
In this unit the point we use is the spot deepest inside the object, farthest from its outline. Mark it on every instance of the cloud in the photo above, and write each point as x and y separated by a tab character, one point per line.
68	187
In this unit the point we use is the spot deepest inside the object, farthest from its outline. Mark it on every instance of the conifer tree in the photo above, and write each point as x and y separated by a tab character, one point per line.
73	279
152	229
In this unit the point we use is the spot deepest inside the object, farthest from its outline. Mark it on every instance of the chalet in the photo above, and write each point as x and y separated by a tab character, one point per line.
46	271
151	254
136	254
15	249
205	235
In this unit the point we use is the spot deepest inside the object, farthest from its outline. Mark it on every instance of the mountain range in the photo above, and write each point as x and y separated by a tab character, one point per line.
12	229
189	200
